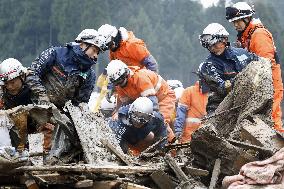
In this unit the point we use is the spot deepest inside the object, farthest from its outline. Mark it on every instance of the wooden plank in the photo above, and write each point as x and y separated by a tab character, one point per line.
112	149
196	171
135	186
173	164
91	168
54	178
84	183
153	146
162	180
215	174
186	180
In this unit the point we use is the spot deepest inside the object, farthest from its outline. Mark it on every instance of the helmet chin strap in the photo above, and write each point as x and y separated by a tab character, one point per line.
88	46
116	41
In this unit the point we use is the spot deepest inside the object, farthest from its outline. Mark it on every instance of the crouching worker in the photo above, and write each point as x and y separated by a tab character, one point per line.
19	88
139	126
132	82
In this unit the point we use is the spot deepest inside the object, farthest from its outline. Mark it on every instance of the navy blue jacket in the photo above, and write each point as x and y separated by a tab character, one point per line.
215	70
66	74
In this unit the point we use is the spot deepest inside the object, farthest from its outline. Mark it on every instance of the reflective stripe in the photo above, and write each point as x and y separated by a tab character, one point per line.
148	92
155	90
184	105
159	83
192	120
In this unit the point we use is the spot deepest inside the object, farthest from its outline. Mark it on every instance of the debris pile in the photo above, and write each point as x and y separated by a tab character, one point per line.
241	129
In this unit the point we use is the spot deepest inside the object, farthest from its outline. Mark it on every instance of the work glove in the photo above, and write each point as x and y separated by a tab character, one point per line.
228	86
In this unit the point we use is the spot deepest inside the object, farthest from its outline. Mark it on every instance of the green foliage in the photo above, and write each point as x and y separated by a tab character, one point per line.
170	28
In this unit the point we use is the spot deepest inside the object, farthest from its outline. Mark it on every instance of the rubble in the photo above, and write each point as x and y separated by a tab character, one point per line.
241	129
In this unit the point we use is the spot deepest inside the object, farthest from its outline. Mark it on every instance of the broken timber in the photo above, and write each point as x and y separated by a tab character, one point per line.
215	174
110	147
92	168
152	147
186	181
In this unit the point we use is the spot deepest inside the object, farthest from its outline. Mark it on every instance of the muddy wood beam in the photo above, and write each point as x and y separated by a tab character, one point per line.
91	168
196	171
215	174
112	149
179	173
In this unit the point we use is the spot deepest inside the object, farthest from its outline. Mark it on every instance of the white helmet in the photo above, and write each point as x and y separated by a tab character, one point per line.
239	10
106	105
212	34
178	92
116	71
107	31
141	110
107	108
174	84
90	36
10	69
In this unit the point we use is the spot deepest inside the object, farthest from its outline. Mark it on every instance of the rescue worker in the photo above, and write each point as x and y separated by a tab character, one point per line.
133	82
139	126
123	45
224	62
255	37
67	74
191	108
18	87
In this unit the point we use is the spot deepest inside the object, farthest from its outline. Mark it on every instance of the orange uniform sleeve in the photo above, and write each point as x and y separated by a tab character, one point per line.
185	98
138	51
262	44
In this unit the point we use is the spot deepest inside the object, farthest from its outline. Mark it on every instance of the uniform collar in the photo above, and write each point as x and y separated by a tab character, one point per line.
253	23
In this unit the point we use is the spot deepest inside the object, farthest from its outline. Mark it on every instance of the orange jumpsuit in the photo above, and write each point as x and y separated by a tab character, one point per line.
257	39
143	82
133	52
191	107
